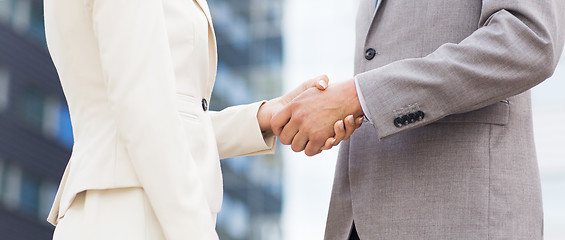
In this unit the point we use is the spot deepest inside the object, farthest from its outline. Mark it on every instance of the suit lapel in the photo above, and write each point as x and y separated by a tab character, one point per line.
378	5
213	55
369	11
204	6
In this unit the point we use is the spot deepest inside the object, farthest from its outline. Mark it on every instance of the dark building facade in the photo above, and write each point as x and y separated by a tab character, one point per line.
35	132
36	135
250	69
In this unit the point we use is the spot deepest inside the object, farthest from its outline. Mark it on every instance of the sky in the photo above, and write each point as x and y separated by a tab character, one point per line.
319	38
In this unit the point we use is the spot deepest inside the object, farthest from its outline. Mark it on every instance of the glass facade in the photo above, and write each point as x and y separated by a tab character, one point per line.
250	69
35	132
4	87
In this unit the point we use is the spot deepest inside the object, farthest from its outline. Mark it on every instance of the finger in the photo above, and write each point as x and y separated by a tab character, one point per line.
359	122
299	142
329	144
321	82
340	133
321	85
279	120
288	133
350	126
313	148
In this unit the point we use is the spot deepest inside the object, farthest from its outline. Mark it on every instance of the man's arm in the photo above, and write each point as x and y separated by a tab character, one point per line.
516	47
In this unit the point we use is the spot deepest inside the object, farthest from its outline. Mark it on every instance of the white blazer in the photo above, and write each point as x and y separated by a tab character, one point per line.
134	73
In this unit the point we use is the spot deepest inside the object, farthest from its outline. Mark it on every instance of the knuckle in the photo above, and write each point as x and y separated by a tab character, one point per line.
318	137
293	107
274	123
299	117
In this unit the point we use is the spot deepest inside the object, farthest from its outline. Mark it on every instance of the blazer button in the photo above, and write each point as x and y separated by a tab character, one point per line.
412	117
398	122
204	104
420	115
405	119
370	54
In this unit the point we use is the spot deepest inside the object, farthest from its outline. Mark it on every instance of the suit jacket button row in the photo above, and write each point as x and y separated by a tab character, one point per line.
408	119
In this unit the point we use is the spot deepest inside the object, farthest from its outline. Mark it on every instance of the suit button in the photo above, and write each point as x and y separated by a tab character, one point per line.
398	122
412	117
420	115
204	104
370	54
405	120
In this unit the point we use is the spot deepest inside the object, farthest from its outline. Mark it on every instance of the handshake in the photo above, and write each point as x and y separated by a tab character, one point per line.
315	116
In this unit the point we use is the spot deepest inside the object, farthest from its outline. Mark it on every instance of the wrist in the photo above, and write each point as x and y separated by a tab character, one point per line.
355	103
265	113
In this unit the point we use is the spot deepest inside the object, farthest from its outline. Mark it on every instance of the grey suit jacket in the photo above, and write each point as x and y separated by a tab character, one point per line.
450	151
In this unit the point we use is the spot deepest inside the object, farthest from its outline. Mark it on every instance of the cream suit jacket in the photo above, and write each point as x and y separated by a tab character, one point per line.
134	73
466	168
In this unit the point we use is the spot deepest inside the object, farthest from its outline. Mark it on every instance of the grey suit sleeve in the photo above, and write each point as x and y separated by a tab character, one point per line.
517	46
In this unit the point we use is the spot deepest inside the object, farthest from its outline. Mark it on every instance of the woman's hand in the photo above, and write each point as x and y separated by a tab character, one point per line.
343	131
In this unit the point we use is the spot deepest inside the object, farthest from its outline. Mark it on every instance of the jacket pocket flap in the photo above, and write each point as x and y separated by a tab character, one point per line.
188	106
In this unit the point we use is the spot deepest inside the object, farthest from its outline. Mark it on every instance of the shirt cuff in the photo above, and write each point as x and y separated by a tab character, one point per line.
362	101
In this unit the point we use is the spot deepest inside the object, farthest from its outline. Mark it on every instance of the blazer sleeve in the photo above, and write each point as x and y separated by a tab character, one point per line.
138	72
517	46
238	134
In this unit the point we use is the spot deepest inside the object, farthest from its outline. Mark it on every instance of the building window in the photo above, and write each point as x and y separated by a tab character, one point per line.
21	11
5	9
36	27
31	107
24	192
57	122
4	88
47	196
11	186
64	130
234	218
2	174
29	194
46	114
24	16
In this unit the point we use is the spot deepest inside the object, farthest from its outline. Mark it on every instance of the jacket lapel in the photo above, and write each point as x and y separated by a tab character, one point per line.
378	5
369	12
204	6
213	57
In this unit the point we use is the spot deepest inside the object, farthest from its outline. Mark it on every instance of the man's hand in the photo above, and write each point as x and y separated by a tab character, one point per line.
309	120
273	106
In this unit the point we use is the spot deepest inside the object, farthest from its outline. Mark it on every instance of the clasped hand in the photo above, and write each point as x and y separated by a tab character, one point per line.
317	116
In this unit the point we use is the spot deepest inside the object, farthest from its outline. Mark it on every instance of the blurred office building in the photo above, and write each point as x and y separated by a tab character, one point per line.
35	131
36	135
250	69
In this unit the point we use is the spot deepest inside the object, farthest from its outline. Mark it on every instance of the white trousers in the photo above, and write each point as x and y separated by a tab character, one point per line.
123	214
